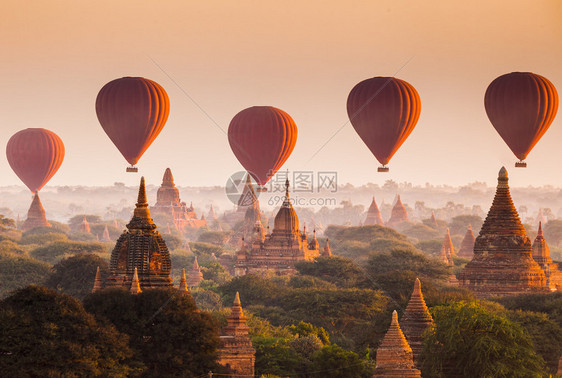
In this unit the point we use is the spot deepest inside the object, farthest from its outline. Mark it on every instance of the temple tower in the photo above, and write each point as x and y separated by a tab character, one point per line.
98	283
434	220
35	215
105	236
195	276
327	252
84	226
399	213
502	262
373	215
447	250
141	250
416	320
467	245
237	352
394	355
541	254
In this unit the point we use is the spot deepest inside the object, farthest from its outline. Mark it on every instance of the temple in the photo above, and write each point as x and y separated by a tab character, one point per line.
434	220
168	203
252	220
105	236
195	276
503	263
373	215
467	245
140	250
447	250
247	199
278	251
541	254
398	214
35	215
394	355
416	320
84	227
327	252
237	352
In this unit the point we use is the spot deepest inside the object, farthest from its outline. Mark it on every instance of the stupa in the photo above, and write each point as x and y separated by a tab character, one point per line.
327	252
252	216
416	320
278	251
195	276
373	215
399	213
105	236
237	352
467	245
141	250
247	199
541	254
84	227
502	262
168	203
434	220
447	250
394	355
35	215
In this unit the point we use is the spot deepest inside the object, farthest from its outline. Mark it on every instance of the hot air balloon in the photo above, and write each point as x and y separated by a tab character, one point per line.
35	155
521	107
132	112
383	111
262	138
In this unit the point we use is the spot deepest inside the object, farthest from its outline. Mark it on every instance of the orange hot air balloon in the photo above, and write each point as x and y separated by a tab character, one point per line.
262	138
35	155
521	107
383	111
132	112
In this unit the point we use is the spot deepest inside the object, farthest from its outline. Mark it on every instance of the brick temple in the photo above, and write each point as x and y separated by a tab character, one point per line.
398	214
541	254
278	251
35	215
467	245
140	251
168	203
447	250
373	215
503	256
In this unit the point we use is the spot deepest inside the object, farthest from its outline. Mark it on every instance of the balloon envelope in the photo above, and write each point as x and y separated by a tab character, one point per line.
383	111
35	155
521	107
262	138
132	112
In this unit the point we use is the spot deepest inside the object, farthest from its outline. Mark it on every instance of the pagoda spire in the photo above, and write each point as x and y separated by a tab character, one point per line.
327	252
98	284
374	216
447	250
85	226
135	285
416	320
467	245
141	216
434	220
183	282
195	276
168	179
398	214
35	215
105	236
394	355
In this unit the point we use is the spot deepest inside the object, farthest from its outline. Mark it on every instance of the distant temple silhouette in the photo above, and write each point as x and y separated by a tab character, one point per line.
35	215
278	251
373	215
168	203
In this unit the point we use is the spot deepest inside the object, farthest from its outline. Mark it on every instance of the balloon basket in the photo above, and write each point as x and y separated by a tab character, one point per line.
521	164
132	169
261	189
382	169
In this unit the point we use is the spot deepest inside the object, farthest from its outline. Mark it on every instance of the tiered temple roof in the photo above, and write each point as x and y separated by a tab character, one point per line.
195	276
237	352
141	250
278	251
399	213
416	320
541	254
467	245
434	220
168	203
35	215
394	355
502	262
447	250
183	282
105	236
373	215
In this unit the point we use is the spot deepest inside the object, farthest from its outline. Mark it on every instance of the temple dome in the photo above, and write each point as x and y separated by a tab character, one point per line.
286	219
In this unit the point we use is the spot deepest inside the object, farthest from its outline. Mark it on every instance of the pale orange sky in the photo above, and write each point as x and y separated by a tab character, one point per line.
301	56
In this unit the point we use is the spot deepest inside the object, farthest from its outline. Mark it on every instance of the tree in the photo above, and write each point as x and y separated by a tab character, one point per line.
471	340
430	247
338	270
77	220
17	271
218	238
42	238
274	355
254	289
400	259
459	224
59	249
75	275
168	334
304	329
553	232
335	362
421	232
46	334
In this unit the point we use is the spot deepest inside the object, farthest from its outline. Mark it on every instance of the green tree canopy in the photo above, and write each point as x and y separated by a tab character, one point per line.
46	334
338	270
470	340
459	224
400	259
168	334
60	249
75	275
18	271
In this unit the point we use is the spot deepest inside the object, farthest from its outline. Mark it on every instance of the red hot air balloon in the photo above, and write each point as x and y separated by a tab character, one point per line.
521	106
262	138
383	111
132	112
35	155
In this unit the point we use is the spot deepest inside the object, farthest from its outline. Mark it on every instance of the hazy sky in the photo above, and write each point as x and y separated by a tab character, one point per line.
301	56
